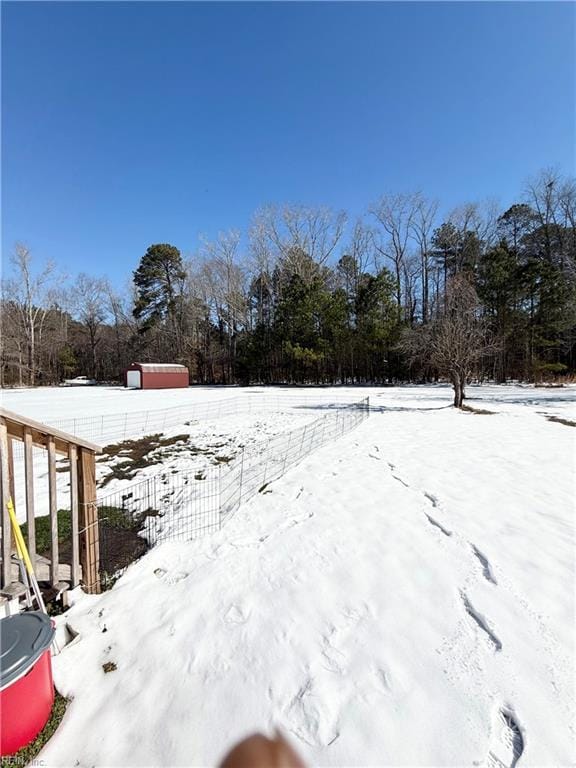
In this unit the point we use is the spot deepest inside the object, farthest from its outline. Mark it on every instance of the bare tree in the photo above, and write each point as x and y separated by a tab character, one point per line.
119	305
422	227
89	302
454	343
553	199
481	218
29	295
412	278
225	277
395	213
302	237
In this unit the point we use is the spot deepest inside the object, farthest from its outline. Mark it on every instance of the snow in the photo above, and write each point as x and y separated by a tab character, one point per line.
212	429
404	596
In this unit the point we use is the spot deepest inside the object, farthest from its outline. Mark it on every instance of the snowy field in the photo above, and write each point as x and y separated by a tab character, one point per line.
195	440
404	597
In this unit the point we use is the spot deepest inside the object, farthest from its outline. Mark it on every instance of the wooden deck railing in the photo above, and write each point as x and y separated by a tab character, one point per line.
81	454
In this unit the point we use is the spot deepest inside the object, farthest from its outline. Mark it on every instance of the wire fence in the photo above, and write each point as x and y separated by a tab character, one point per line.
111	427
183	506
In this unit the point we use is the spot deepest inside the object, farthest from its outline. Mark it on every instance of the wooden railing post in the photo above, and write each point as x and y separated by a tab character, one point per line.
53	509
11	485
5	492
74	496
29	480
89	542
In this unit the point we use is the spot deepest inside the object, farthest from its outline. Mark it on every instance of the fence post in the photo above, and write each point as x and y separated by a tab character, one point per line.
219	497
90	543
287	452
241	477
302	443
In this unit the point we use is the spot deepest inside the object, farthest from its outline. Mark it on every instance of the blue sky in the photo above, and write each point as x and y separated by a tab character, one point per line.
125	124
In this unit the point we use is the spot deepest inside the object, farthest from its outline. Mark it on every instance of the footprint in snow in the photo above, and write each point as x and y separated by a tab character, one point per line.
170	577
436	524
506	741
236	615
396	477
309	717
481	622
484	562
383	679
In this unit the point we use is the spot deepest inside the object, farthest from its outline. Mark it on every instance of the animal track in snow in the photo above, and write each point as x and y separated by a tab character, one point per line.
486	569
432	499
437	525
481	622
506	742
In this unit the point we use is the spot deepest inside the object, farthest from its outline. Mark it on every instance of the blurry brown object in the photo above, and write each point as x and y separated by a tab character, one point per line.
260	752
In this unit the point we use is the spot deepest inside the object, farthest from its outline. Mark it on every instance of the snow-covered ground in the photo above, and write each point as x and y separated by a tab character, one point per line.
404	596
204	439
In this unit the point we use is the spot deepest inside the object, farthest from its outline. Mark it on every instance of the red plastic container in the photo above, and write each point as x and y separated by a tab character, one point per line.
27	691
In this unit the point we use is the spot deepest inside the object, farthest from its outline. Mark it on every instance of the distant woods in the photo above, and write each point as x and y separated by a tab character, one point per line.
306	296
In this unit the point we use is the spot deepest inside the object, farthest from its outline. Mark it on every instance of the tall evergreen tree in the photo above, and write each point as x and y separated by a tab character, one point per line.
159	283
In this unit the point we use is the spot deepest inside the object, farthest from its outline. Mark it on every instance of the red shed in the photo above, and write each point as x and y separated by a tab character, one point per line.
156	376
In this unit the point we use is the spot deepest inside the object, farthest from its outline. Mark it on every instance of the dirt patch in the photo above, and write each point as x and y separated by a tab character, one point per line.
548	386
558	420
125	459
136	454
120	543
479	411
109	666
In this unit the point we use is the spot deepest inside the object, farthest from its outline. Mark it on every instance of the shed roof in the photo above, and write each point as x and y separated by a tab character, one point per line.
162	367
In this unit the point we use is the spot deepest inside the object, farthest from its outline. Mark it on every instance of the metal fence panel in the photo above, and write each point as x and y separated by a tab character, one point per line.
182	506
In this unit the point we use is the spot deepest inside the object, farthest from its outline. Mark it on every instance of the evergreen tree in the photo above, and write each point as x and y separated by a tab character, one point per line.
159	285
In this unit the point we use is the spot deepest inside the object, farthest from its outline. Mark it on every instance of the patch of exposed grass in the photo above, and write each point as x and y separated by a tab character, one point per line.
558	420
479	411
25	755
43	532
109	666
120	543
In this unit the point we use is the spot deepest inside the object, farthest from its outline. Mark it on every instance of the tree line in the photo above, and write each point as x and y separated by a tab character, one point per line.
306	296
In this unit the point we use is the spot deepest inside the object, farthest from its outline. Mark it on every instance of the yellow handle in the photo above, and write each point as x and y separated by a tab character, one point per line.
20	543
